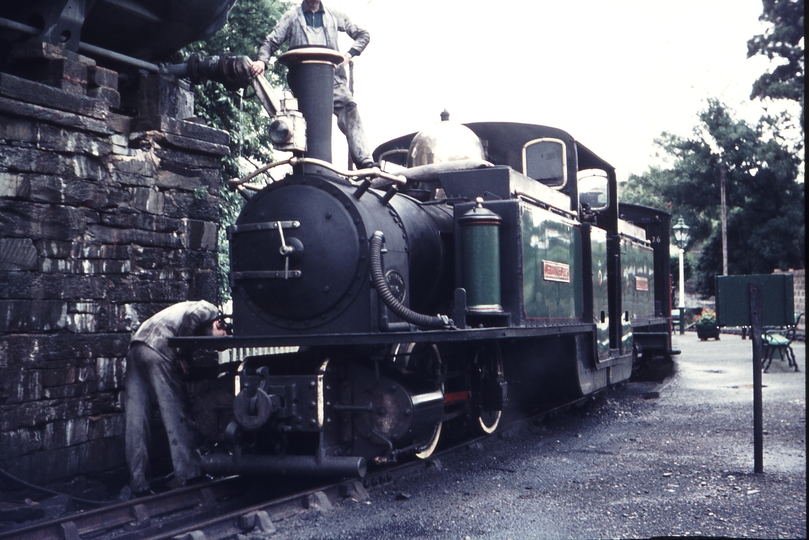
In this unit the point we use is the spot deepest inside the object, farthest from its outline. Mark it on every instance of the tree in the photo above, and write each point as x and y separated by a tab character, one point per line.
764	199
784	40
243	118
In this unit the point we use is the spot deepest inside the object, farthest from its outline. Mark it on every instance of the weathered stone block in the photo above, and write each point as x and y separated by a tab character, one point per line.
149	200
17	254
34	160
17	108
14	185
59	139
107	425
51	464
60	350
74	192
179	178
18	385
45	95
202	260
102	455
84	266
63	433
150	291
185	128
165	95
152	258
212	179
174	156
110	373
19	442
111	235
140	163
138	220
103	77
38	286
32	316
60	376
55	248
180	142
204	284
177	203
42	221
20	465
18	131
200	234
68	391
108	96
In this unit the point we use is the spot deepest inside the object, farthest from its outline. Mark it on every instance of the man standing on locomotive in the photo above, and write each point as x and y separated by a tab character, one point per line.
154	370
313	24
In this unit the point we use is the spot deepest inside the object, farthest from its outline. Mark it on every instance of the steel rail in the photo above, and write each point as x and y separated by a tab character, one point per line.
185	512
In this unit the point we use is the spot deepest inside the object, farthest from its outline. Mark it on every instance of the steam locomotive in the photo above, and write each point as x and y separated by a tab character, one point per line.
485	266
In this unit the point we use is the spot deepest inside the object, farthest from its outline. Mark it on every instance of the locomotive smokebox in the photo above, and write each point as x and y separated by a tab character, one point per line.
311	78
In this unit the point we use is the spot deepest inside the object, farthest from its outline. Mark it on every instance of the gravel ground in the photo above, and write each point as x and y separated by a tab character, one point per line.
646	459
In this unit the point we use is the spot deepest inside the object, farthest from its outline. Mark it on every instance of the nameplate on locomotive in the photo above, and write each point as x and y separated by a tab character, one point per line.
555	271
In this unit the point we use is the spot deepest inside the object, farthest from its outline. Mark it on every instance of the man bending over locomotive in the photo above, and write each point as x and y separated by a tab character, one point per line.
153	369
312	24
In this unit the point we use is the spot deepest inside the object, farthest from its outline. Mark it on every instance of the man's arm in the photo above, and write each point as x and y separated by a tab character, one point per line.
360	35
273	42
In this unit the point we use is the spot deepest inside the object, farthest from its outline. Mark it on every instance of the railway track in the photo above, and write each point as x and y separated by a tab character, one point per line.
225	508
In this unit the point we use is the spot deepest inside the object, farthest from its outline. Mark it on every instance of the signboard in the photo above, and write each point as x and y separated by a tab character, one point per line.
733	299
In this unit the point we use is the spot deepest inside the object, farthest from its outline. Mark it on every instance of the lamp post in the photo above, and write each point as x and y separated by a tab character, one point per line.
681	240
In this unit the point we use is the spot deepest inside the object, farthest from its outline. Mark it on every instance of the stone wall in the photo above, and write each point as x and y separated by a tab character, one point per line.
105	219
799	288
799	277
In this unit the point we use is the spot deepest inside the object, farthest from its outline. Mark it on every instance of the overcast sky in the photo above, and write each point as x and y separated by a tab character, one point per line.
612	73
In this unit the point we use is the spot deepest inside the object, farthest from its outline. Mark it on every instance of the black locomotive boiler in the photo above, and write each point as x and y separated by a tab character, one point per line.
493	268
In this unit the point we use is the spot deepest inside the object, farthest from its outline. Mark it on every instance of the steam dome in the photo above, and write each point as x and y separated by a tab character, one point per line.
443	142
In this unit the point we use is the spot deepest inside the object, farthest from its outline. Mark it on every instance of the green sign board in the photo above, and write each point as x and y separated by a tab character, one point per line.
733	299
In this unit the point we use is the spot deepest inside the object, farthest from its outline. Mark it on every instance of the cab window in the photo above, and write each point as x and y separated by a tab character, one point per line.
545	160
593	190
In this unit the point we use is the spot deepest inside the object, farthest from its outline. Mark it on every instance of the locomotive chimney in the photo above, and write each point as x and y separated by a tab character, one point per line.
311	78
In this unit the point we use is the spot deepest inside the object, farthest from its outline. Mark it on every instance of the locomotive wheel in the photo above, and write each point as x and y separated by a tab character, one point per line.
424	360
489	364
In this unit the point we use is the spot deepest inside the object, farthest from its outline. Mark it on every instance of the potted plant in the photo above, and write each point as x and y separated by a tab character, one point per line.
706	326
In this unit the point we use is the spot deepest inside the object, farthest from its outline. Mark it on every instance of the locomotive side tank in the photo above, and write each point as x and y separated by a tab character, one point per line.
492	270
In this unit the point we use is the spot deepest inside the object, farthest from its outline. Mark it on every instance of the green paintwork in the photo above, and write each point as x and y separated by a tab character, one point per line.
480	250
733	299
637	291
601	309
550	238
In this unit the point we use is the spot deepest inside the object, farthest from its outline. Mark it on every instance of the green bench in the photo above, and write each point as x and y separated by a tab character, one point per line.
780	341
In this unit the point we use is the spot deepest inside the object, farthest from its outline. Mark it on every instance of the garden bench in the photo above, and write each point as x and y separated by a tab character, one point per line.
780	341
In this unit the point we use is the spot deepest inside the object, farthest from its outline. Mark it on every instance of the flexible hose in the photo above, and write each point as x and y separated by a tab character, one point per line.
23	483
381	286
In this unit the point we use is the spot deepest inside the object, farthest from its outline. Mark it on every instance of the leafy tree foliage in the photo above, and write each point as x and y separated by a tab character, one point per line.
785	41
764	200
243	118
